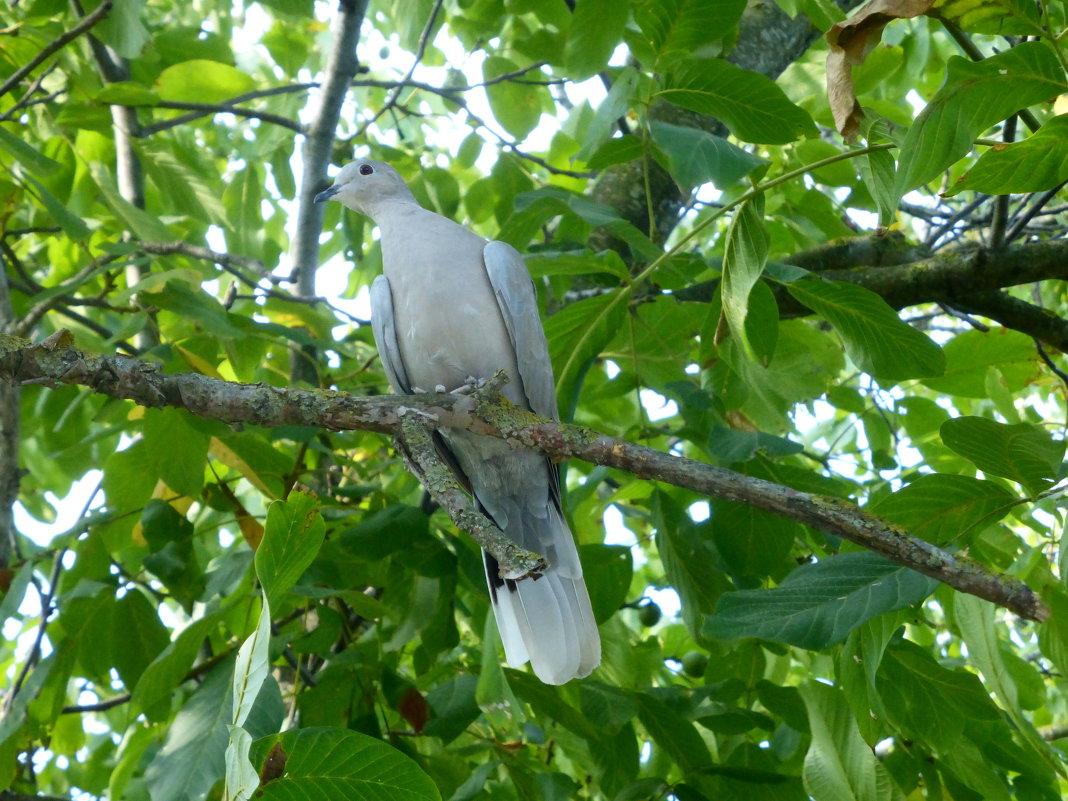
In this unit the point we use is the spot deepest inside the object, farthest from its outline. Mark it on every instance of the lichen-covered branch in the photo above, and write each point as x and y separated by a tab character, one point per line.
416	444
55	361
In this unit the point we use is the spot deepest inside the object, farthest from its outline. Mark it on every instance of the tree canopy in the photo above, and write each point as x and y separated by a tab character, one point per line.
802	270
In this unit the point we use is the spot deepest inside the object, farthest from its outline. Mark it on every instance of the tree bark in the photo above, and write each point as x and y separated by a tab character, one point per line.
56	361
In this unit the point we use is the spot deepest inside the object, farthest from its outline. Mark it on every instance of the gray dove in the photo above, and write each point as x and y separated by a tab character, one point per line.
451	307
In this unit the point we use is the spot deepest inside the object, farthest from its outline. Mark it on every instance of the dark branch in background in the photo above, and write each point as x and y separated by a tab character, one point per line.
341	66
204	109
1027	318
1020	224
964	279
484	412
57	44
229	107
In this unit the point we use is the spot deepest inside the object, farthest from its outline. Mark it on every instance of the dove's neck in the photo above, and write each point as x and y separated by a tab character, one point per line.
397	215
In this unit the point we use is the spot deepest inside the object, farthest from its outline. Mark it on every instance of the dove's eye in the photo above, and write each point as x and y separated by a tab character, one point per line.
366	169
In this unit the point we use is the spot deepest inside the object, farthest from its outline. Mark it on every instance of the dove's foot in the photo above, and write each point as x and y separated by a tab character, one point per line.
469	385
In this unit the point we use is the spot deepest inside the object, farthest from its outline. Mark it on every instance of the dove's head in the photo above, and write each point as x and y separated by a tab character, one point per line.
367	186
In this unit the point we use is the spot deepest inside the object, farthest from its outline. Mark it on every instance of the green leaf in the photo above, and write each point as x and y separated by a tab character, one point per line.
995	17
596	29
839	765
744	257
971	354
605	119
696	157
876	339
202	81
818	604
454	706
615	151
493	692
673	733
288	44
975	96
975	617
169	669
879	173
750	104
193	756
251	666
72	225
29	157
805	361
762	323
576	262
751	541
144	636
127	93
934	701
607	570
942	508
516	106
606	706
123	30
179	450
292	537
1037	163
689	563
1024	453
681	28
577	334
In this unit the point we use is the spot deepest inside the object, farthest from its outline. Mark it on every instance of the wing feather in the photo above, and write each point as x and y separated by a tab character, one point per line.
385	330
519	305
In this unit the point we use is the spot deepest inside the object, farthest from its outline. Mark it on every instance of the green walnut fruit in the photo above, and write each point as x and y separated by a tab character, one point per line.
649	614
695	663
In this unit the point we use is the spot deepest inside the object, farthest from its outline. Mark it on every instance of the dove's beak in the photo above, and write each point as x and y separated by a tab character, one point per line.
326	194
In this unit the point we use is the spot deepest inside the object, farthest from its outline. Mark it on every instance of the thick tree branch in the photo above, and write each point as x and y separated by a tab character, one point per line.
1017	314
966	279
56	362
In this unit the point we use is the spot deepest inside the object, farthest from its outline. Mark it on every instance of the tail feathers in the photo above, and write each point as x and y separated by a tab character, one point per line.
547	621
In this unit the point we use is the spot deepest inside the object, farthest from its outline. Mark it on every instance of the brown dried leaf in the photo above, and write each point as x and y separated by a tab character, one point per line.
850	42
414	709
274	765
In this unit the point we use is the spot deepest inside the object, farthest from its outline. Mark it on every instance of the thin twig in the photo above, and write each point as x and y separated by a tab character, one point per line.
46	606
959	215
1020	224
56	44
394	96
204	109
1057	371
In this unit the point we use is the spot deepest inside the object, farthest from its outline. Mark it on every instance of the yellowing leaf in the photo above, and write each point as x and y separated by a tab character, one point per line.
222	452
198	362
